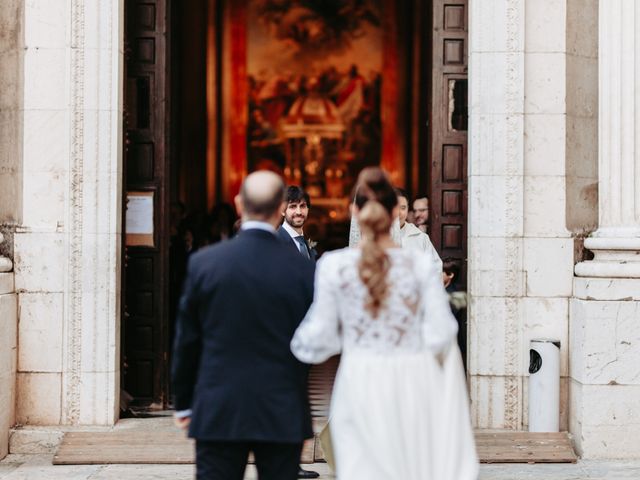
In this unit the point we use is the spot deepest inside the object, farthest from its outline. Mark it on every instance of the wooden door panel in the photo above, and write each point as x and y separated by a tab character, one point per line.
145	308
140	162
448	176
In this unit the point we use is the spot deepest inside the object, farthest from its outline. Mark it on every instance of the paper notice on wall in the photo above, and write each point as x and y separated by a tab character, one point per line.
139	219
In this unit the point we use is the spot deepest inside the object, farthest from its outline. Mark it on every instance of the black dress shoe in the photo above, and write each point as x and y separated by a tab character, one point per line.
307	473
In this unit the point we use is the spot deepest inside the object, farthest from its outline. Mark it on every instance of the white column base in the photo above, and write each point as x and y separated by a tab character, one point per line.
605	367
616	254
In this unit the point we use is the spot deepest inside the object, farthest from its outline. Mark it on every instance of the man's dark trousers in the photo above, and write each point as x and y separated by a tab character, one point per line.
228	460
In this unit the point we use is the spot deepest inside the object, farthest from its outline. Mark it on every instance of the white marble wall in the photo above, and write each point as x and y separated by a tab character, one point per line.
521	253
560	145
8	350
11	61
11	70
67	249
604	328
496	211
605	367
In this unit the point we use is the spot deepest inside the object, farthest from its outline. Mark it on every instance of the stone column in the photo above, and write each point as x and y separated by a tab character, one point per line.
616	243
604	326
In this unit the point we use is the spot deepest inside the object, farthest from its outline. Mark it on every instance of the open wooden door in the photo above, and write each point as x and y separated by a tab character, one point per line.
448	146
145	299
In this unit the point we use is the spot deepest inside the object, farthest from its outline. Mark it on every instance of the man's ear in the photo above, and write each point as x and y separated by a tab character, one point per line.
239	205
277	219
283	208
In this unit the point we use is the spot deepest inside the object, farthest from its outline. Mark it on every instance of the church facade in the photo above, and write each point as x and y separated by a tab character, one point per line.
553	225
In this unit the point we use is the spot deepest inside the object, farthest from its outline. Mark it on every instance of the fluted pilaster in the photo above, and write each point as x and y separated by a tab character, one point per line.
616	243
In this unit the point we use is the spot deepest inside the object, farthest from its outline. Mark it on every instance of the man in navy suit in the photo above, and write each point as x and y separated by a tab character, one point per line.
291	232
295	215
238	388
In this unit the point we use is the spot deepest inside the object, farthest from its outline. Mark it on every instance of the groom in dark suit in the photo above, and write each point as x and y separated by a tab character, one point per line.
291	233
295	215
238	388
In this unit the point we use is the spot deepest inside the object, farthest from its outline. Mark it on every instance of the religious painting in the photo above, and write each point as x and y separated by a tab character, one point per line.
313	90
315	72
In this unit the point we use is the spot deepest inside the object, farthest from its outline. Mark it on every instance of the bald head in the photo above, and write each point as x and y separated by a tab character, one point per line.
262	194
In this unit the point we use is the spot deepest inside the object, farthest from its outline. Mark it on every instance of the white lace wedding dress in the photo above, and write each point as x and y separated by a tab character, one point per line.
396	412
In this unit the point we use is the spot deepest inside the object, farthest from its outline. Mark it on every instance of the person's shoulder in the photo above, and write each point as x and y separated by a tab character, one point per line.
338	255
211	252
336	258
412	230
420	236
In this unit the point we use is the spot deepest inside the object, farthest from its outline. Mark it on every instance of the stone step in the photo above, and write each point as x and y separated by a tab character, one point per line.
34	441
30	440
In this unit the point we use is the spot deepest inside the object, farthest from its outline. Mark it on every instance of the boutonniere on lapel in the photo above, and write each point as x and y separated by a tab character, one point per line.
312	244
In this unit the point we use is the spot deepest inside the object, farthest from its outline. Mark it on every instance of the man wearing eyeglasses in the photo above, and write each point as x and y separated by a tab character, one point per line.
421	213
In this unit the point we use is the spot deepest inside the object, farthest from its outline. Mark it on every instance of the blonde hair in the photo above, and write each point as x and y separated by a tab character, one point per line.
375	198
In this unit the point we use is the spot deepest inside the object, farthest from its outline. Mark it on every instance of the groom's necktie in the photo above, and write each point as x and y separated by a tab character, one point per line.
303	246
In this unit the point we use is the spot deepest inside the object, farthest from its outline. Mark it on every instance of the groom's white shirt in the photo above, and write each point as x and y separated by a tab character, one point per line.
292	233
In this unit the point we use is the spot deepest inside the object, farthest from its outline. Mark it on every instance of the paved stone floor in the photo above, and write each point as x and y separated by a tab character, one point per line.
35	467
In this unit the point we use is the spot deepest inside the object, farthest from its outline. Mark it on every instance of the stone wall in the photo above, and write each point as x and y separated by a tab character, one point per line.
605	313
39	242
11	118
547	244
67	247
8	351
531	165
11	113
496	215
605	367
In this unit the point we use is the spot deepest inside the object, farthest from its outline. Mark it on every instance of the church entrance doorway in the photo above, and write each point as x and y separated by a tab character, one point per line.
215	89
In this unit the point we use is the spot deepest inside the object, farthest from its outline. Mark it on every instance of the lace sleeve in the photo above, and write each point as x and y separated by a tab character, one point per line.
439	325
318	337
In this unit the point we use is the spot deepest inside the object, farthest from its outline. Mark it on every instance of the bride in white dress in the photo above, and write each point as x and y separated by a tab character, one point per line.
399	409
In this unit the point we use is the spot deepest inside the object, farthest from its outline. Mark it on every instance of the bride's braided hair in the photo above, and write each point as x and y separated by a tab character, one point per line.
376	198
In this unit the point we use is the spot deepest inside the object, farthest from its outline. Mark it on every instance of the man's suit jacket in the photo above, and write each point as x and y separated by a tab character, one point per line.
286	238
243	300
